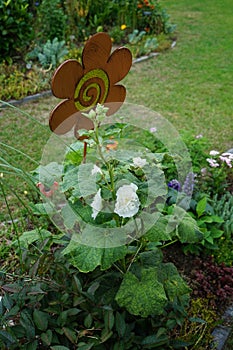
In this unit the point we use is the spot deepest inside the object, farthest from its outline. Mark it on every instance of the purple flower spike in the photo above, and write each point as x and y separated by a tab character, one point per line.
188	185
174	184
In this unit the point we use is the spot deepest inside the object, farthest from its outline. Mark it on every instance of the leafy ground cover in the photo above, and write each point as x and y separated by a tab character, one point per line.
184	99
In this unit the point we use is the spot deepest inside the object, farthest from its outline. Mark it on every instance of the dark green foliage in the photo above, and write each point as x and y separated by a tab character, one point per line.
15	28
51	21
55	306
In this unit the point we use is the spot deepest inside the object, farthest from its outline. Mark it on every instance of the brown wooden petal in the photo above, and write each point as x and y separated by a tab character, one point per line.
116	97
66	78
82	123
96	51
119	64
63	117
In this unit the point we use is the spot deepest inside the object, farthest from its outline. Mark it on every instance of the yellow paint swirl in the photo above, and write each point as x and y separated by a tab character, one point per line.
91	89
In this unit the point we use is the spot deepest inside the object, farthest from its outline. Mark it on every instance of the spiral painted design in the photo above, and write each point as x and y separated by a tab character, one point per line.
91	89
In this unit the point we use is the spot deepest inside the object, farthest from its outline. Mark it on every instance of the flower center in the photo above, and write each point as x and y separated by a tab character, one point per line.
91	89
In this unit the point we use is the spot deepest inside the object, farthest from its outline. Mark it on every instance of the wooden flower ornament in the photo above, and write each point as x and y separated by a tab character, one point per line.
83	86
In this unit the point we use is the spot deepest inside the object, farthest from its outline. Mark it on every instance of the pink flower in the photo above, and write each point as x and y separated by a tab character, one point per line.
226	160
212	162
45	192
153	129
228	154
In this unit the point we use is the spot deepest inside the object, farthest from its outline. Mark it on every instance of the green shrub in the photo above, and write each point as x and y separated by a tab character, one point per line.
15	28
16	83
51	21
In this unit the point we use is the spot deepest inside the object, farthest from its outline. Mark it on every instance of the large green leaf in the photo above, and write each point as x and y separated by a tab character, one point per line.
87	258
144	296
49	173
173	283
81	180
158	231
30	237
188	231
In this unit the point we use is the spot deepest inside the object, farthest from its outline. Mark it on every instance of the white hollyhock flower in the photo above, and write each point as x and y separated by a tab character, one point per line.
97	204
139	162
96	170
127	203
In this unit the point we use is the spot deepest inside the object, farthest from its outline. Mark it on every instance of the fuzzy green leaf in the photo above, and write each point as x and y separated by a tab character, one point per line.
188	231
87	258
142	297
173	283
30	237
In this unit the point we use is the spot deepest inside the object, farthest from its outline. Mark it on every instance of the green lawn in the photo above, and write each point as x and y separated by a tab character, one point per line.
192	85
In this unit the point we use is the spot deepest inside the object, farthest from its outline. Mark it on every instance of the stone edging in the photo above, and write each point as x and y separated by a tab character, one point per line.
222	332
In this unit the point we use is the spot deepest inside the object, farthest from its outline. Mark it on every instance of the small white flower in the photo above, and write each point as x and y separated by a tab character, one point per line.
212	162
139	162
153	129
214	153
127	203
96	170
199	136
97	204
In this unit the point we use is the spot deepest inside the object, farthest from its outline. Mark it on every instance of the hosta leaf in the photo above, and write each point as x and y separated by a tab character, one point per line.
142	297
87	258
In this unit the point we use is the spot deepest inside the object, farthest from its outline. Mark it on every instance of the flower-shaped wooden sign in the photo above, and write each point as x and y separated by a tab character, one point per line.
83	86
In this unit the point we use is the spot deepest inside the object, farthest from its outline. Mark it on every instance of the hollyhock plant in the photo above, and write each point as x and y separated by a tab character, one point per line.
115	189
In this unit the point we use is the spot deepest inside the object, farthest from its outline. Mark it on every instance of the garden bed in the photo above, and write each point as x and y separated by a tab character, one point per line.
198	254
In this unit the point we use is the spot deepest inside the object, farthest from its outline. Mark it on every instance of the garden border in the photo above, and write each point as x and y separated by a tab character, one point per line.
49	93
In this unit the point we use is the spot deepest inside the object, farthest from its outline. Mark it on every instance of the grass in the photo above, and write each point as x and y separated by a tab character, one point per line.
192	84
